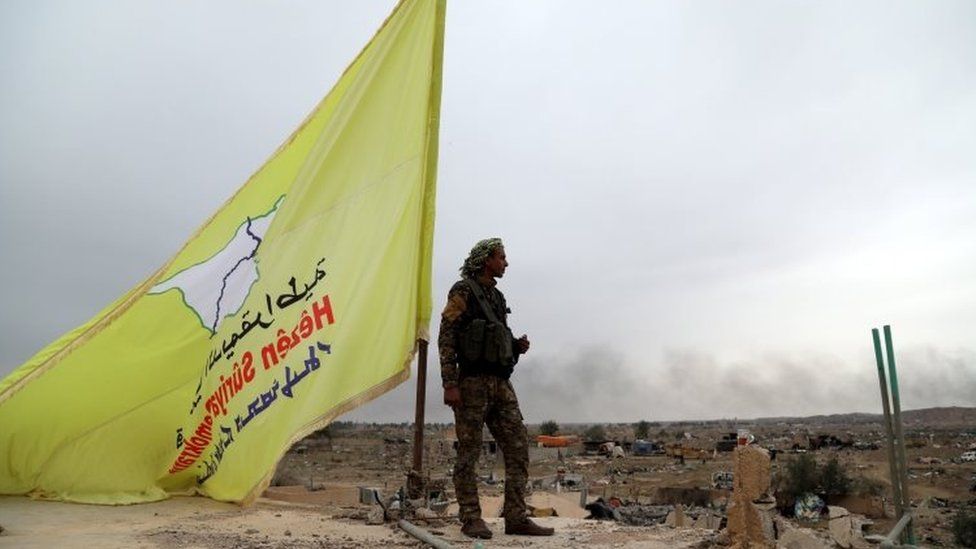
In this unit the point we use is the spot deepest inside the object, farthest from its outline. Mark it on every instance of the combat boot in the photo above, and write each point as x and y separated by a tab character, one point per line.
476	528
527	528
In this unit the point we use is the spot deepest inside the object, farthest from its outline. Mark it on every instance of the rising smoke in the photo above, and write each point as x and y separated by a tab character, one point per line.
599	384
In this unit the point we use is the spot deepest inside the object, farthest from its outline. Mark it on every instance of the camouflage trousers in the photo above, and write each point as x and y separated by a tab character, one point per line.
488	400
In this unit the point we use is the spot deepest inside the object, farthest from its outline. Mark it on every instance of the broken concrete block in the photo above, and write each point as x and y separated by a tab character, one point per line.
794	537
670	520
375	515
676	518
834	511
751	513
858	523
747	527
841	531
368	495
751	478
708	521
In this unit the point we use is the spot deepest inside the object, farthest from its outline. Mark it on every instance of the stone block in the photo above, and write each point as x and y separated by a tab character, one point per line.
794	537
708	521
752	478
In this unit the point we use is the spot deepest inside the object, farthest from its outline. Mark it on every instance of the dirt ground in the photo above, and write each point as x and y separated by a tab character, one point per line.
315	497
199	522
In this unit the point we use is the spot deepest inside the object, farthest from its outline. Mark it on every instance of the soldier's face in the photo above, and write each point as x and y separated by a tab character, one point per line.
496	263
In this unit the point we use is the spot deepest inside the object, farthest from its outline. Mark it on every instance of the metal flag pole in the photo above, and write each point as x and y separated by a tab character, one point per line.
415	478
896	416
896	443
889	431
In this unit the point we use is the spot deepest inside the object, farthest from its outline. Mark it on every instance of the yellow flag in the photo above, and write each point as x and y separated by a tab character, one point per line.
300	299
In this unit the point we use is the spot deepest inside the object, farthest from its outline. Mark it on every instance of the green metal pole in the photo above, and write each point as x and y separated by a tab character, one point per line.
889	431
896	416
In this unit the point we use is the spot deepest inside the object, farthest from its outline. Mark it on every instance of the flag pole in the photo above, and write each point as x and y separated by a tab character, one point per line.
415	479
415	482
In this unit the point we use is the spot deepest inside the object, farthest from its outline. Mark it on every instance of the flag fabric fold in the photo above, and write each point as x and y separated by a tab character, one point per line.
301	298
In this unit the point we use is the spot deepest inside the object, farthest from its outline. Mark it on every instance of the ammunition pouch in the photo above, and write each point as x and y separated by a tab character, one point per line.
485	341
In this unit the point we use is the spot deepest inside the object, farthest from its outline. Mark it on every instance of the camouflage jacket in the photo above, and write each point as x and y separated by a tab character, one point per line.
463	307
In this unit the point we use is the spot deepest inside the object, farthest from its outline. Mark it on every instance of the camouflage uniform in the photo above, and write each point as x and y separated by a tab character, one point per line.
487	397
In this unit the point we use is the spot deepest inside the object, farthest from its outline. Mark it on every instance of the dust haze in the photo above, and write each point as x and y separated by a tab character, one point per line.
597	384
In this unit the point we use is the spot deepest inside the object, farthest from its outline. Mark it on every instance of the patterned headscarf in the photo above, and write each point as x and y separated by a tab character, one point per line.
479	254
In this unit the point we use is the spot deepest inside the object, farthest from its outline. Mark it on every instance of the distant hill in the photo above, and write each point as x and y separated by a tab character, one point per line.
953	416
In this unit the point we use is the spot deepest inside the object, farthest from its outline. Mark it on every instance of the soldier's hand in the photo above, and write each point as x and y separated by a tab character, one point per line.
452	397
523	344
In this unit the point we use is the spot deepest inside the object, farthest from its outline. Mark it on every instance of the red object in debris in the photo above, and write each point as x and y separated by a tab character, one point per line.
560	441
615	502
745	437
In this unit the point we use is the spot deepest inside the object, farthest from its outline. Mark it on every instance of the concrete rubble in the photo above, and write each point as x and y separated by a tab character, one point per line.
648	487
841	526
752	509
376	515
708	520
643	515
676	518
792	536
847	529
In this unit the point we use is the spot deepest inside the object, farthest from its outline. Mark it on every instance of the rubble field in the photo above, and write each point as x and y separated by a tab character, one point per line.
686	473
691	487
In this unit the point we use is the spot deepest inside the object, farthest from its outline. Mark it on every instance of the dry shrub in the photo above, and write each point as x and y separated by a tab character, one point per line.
964	528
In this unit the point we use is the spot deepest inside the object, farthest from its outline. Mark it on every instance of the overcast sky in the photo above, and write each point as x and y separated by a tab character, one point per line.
706	206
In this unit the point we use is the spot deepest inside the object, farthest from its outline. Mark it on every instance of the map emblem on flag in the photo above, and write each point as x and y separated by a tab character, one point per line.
217	287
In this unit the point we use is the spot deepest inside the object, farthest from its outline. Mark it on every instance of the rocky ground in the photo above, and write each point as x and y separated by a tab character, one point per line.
315	499
199	522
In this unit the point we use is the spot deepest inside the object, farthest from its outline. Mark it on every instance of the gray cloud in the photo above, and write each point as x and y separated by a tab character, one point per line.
596	384
687	192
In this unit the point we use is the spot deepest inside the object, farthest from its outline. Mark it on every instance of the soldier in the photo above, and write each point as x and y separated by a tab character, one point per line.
478	354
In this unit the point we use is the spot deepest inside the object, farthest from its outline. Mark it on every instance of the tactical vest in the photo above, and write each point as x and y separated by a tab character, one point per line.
486	342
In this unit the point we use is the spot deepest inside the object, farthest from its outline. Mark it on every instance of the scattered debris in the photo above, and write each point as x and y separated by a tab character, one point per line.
722	480
643	489
647	448
727	443
556	441
709	520
808	507
376	515
369	496
935	503
795	537
600	510
643	515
